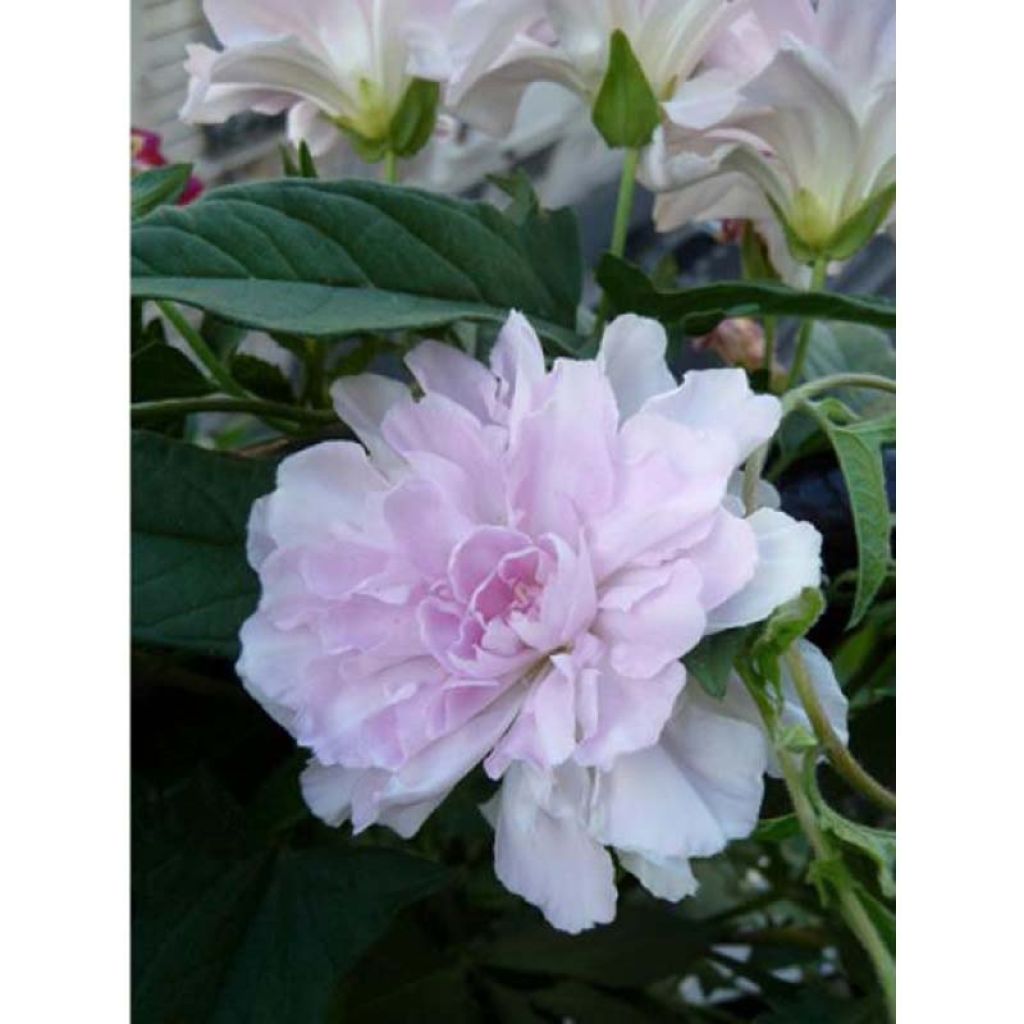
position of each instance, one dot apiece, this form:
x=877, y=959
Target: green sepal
x=859, y=229
x=626, y=111
x=414, y=121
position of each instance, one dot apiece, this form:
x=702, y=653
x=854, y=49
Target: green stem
x=391, y=167
x=620, y=226
x=217, y=370
x=837, y=380
x=850, y=906
x=624, y=203
x=315, y=360
x=838, y=755
x=818, y=278
x=769, y=347
x=181, y=406
x=752, y=475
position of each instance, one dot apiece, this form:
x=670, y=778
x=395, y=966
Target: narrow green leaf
x=881, y=916
x=626, y=111
x=307, y=168
x=858, y=449
x=324, y=259
x=775, y=830
x=289, y=167
x=162, y=185
x=699, y=309
x=191, y=584
x=711, y=661
x=787, y=624
x=877, y=844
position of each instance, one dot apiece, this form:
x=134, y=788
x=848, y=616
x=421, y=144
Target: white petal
x=632, y=356
x=362, y=402
x=721, y=400
x=788, y=559
x=543, y=853
x=668, y=878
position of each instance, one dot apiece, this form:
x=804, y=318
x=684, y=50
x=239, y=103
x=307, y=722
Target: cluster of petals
x=507, y=571
x=347, y=63
x=792, y=115
x=329, y=63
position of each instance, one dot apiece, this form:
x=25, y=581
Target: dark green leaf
x=575, y=1002
x=814, y=1006
x=162, y=185
x=323, y=259
x=225, y=931
x=191, y=585
x=699, y=309
x=319, y=910
x=261, y=378
x=626, y=111
x=642, y=945
x=711, y=661
x=159, y=371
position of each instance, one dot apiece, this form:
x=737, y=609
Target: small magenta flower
x=509, y=573
x=147, y=153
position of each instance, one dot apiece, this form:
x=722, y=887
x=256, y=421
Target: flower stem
x=391, y=167
x=620, y=226
x=838, y=755
x=818, y=279
x=852, y=909
x=850, y=906
x=256, y=406
x=837, y=380
x=752, y=476
x=217, y=370
x=624, y=203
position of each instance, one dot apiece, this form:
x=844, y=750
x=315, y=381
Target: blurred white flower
x=791, y=123
x=501, y=46
x=333, y=65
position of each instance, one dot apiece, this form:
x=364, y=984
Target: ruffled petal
x=542, y=850
x=632, y=356
x=788, y=559
x=721, y=401
x=448, y=372
x=362, y=401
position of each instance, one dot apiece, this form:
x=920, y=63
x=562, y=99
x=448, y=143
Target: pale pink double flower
x=509, y=573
